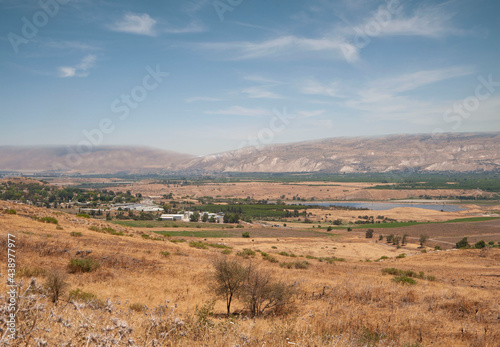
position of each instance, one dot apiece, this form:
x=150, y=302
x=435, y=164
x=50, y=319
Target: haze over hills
x=100, y=160
x=459, y=152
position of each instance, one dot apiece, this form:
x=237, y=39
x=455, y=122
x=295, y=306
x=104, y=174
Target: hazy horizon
x=203, y=77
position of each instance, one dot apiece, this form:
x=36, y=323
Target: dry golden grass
x=144, y=298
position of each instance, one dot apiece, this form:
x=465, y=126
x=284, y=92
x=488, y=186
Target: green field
x=407, y=224
x=167, y=224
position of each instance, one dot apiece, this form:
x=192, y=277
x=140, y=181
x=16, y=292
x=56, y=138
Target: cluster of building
x=186, y=217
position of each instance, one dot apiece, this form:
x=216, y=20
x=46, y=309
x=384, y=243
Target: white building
x=172, y=216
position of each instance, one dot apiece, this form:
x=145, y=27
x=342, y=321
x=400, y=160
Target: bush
x=10, y=211
x=274, y=247
x=349, y=229
x=198, y=244
x=30, y=272
x=165, y=253
x=48, y=220
x=296, y=264
x=55, y=285
x=437, y=248
x=240, y=226
x=269, y=257
x=480, y=244
x=246, y=253
x=226, y=251
x=404, y=280
x=82, y=265
x=137, y=307
x=79, y=295
x=329, y=228
x=369, y=234
x=246, y=235
x=83, y=215
x=402, y=255
x=76, y=233
x=462, y=243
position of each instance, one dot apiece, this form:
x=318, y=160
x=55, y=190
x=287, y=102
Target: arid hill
x=449, y=152
x=99, y=160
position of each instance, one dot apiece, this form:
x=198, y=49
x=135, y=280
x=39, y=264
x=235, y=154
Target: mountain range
x=460, y=152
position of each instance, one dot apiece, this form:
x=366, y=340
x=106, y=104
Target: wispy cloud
x=280, y=46
x=201, y=98
x=79, y=70
x=386, y=88
x=242, y=111
x=429, y=21
x=71, y=45
x=314, y=87
x=193, y=27
x=261, y=93
x=140, y=24
x=309, y=114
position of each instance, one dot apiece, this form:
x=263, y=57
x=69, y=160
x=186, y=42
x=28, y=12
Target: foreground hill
x=450, y=152
x=143, y=289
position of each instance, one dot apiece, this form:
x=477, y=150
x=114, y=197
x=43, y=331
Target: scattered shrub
x=48, y=220
x=10, y=211
x=462, y=243
x=83, y=215
x=26, y=271
x=198, y=244
x=55, y=285
x=246, y=253
x=402, y=255
x=79, y=295
x=82, y=265
x=369, y=234
x=246, y=235
x=437, y=248
x=404, y=280
x=165, y=253
x=296, y=264
x=226, y=251
x=76, y=233
x=137, y=307
x=480, y=244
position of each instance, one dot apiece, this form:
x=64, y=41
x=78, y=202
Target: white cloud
x=202, y=98
x=284, y=45
x=141, y=24
x=242, y=111
x=309, y=114
x=386, y=88
x=260, y=93
x=193, y=27
x=79, y=70
x=313, y=87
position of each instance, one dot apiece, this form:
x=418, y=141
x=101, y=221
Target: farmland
x=151, y=282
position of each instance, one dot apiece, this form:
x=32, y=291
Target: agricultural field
x=152, y=283
x=310, y=274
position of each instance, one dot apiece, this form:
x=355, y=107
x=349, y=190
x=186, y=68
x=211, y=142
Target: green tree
x=462, y=243
x=423, y=239
x=194, y=217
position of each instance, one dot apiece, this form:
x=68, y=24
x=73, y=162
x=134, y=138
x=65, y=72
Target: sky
x=205, y=76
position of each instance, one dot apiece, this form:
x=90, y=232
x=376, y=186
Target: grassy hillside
x=145, y=289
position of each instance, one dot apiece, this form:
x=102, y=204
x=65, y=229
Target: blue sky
x=203, y=77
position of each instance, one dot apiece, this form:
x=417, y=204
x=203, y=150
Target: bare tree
x=423, y=239
x=228, y=277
